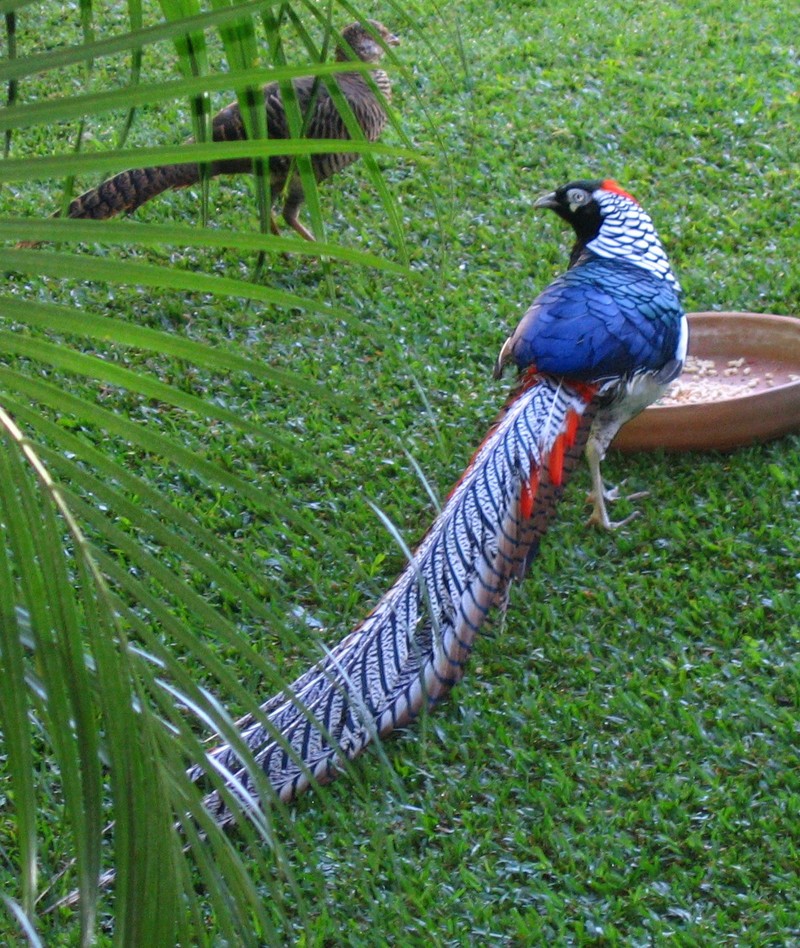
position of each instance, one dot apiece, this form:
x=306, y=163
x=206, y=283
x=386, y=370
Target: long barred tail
x=413, y=647
x=128, y=190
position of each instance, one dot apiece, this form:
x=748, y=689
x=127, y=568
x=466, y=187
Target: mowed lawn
x=620, y=764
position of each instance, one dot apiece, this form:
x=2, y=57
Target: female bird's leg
x=291, y=208
x=290, y=216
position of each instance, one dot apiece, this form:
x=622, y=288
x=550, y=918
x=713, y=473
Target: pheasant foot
x=599, y=518
x=599, y=515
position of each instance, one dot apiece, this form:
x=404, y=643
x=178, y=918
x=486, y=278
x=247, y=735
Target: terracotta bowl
x=770, y=347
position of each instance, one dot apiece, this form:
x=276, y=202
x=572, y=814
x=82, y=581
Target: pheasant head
x=609, y=222
x=367, y=42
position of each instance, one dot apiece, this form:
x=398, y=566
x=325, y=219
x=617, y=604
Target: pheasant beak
x=391, y=40
x=504, y=357
x=547, y=200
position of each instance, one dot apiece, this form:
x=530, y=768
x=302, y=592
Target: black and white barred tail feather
x=412, y=648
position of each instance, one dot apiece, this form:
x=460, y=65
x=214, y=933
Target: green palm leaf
x=119, y=606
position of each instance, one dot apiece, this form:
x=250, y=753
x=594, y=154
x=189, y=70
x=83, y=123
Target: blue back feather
x=603, y=318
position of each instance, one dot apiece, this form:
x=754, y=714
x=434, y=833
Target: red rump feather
x=534, y=484
x=567, y=437
x=556, y=460
x=525, y=500
x=528, y=379
x=573, y=418
x=528, y=494
x=586, y=390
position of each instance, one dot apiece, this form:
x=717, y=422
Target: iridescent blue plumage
x=599, y=320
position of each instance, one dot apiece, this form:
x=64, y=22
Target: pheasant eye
x=576, y=197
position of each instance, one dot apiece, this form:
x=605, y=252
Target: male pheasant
x=599, y=344
x=613, y=319
x=321, y=119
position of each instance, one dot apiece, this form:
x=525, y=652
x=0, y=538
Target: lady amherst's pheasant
x=599, y=344
x=613, y=320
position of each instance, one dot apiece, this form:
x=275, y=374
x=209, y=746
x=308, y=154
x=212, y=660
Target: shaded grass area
x=620, y=764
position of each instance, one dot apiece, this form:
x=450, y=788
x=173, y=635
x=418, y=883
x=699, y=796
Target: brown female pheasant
x=321, y=119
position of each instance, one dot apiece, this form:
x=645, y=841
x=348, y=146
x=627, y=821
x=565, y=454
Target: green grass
x=620, y=764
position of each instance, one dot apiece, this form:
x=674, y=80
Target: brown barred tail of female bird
x=321, y=115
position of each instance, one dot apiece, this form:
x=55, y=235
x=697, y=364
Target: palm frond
x=120, y=606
